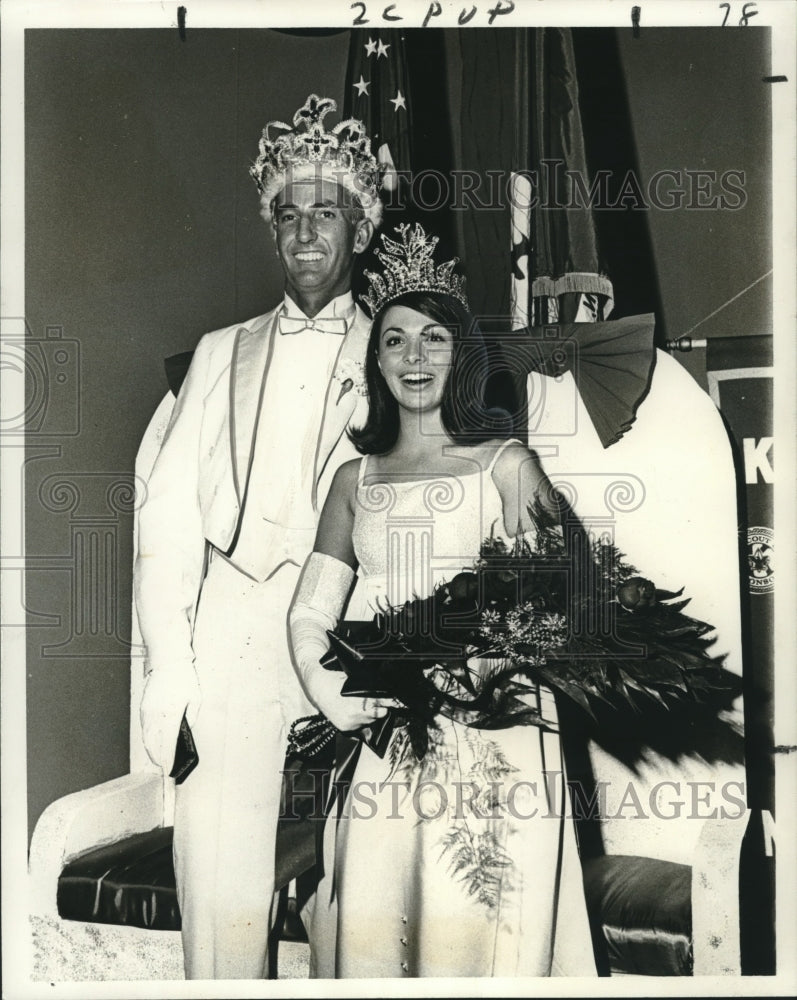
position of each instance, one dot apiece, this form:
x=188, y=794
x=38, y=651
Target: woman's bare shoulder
x=518, y=468
x=344, y=482
x=346, y=476
x=510, y=456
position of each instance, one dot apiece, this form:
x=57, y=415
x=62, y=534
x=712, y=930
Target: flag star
x=370, y=48
x=382, y=50
x=399, y=101
x=362, y=86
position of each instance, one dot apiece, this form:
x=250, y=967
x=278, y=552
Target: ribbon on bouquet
x=428, y=681
x=429, y=678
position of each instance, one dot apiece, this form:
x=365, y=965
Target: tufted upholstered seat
x=644, y=911
x=644, y=904
x=131, y=883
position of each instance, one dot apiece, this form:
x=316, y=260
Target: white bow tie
x=329, y=324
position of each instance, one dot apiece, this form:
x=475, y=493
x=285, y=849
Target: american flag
x=378, y=93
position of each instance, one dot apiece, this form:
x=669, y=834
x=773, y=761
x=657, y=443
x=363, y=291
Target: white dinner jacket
x=195, y=490
x=233, y=364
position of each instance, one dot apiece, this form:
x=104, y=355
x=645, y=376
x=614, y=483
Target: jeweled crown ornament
x=408, y=267
x=307, y=150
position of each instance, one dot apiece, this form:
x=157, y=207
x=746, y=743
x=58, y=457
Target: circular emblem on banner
x=761, y=560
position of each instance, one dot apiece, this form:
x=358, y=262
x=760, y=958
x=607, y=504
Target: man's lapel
x=254, y=349
x=342, y=392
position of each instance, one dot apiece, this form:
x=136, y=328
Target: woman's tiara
x=408, y=267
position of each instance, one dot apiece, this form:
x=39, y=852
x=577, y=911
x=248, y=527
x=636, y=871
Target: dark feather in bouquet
x=561, y=610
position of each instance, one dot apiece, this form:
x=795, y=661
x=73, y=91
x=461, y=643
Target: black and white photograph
x=398, y=430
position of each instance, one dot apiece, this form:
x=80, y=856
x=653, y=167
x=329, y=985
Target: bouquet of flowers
x=563, y=610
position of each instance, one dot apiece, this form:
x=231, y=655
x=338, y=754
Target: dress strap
x=362, y=470
x=498, y=452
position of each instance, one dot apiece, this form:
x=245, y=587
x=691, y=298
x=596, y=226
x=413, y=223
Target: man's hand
x=168, y=694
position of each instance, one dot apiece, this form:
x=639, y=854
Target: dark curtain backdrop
x=516, y=109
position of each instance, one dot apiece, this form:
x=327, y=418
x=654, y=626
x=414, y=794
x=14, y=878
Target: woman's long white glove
x=320, y=597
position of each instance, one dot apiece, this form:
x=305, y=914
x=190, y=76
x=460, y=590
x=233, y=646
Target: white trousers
x=226, y=811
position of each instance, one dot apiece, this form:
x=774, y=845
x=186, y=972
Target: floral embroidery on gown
x=461, y=864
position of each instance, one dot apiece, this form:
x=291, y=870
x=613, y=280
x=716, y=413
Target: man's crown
x=307, y=150
x=408, y=267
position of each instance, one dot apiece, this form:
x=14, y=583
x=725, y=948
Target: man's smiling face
x=318, y=232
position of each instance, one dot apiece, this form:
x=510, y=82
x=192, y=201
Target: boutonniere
x=350, y=375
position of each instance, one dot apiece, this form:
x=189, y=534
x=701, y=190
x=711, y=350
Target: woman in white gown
x=462, y=863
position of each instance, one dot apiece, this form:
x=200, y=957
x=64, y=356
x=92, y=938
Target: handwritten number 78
x=748, y=11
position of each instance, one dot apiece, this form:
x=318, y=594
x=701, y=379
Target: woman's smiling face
x=415, y=356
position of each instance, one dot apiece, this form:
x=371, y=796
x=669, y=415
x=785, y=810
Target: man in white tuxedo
x=230, y=513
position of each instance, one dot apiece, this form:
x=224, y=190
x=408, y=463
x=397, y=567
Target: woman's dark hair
x=463, y=411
